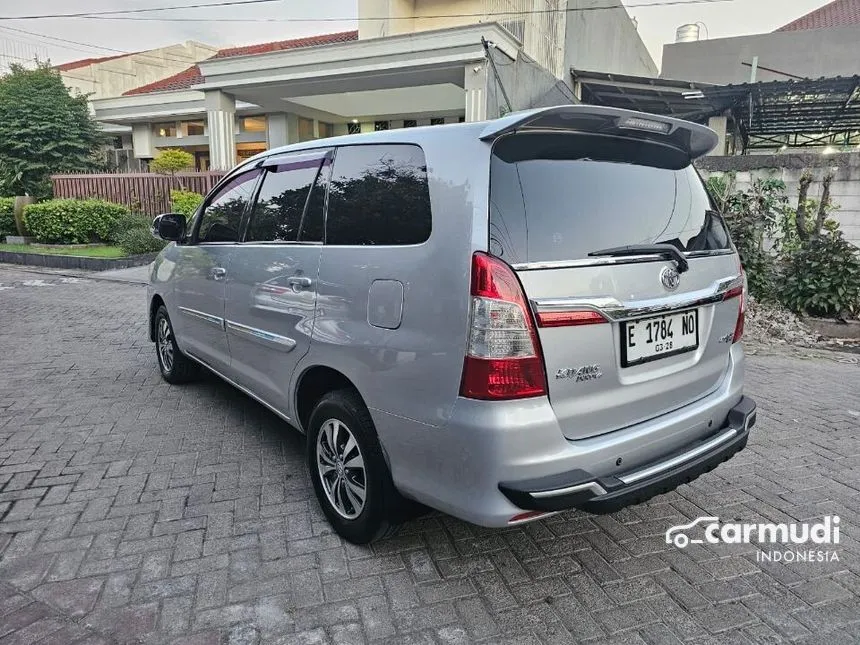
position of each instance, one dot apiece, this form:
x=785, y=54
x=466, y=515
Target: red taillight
x=739, y=292
x=503, y=358
x=569, y=318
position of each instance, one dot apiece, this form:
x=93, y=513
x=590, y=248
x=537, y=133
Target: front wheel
x=175, y=366
x=351, y=479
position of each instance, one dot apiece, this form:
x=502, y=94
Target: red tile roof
x=86, y=62
x=192, y=76
x=181, y=81
x=840, y=13
x=279, y=45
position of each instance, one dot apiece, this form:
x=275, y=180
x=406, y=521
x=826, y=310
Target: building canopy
x=794, y=113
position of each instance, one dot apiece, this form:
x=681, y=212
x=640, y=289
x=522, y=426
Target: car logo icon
x=676, y=535
x=670, y=278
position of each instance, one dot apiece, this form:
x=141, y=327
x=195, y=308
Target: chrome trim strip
x=201, y=315
x=603, y=261
x=261, y=336
x=542, y=516
x=243, y=390
x=617, y=311
x=645, y=473
x=594, y=487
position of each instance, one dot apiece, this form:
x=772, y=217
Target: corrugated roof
x=840, y=13
x=192, y=76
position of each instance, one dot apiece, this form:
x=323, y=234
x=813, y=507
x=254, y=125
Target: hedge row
x=7, y=217
x=72, y=221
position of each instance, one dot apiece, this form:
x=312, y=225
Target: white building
x=411, y=62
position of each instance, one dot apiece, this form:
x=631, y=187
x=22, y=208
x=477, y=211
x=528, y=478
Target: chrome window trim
x=645, y=473
x=608, y=261
x=262, y=336
x=617, y=311
x=202, y=315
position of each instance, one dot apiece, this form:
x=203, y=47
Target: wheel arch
x=312, y=384
x=156, y=302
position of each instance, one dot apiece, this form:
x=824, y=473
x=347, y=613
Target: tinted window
x=313, y=224
x=223, y=214
x=560, y=197
x=379, y=195
x=277, y=214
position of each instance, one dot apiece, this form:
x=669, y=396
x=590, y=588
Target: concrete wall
x=845, y=190
x=528, y=86
x=813, y=53
x=114, y=77
x=605, y=40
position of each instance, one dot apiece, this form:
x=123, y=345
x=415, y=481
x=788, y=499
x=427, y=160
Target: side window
x=313, y=225
x=222, y=215
x=378, y=194
x=277, y=214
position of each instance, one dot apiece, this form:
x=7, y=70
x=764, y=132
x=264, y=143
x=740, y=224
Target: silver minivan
x=498, y=320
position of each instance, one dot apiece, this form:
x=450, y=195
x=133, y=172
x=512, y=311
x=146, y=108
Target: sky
x=93, y=38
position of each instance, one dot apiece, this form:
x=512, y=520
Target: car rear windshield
x=558, y=196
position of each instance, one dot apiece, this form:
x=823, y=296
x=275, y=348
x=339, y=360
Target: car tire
x=175, y=366
x=350, y=476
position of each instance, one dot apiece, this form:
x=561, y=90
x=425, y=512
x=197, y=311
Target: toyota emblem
x=670, y=278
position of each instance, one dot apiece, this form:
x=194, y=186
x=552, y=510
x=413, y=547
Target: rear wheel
x=351, y=479
x=175, y=366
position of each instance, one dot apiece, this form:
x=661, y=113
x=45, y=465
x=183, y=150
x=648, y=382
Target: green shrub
x=7, y=217
x=128, y=222
x=72, y=221
x=136, y=241
x=822, y=277
x=185, y=202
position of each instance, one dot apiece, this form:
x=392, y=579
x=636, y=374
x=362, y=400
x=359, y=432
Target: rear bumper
x=583, y=490
x=457, y=467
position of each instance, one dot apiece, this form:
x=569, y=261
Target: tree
x=172, y=161
x=43, y=130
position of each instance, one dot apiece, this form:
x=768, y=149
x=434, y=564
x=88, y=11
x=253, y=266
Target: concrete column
x=720, y=125
x=475, y=84
x=277, y=133
x=221, y=117
x=141, y=140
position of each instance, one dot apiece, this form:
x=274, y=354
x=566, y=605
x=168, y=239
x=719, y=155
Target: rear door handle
x=299, y=282
x=217, y=273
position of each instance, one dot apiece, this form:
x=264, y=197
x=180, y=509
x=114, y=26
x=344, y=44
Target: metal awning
x=801, y=112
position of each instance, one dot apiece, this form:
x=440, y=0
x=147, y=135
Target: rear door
x=273, y=276
x=624, y=338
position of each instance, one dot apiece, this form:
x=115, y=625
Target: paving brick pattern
x=136, y=512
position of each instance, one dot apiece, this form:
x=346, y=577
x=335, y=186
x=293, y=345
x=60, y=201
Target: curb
x=75, y=262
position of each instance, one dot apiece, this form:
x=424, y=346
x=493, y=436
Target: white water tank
x=687, y=33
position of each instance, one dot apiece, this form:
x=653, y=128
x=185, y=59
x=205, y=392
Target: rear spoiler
x=693, y=139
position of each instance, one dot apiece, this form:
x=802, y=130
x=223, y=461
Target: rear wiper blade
x=666, y=250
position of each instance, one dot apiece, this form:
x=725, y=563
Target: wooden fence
x=142, y=192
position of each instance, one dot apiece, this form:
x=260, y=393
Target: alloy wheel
x=165, y=344
x=341, y=469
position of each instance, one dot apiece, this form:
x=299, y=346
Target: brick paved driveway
x=131, y=511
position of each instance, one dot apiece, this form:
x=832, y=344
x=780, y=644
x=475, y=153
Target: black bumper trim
x=619, y=495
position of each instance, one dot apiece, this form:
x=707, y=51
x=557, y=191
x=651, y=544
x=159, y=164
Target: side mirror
x=170, y=227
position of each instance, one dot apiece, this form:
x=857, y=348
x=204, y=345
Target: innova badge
x=670, y=278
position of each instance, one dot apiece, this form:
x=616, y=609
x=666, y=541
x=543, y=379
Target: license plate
x=651, y=339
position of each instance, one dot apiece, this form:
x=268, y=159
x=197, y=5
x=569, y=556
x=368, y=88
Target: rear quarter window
x=378, y=195
x=557, y=197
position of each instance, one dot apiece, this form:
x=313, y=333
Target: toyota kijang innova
x=498, y=320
